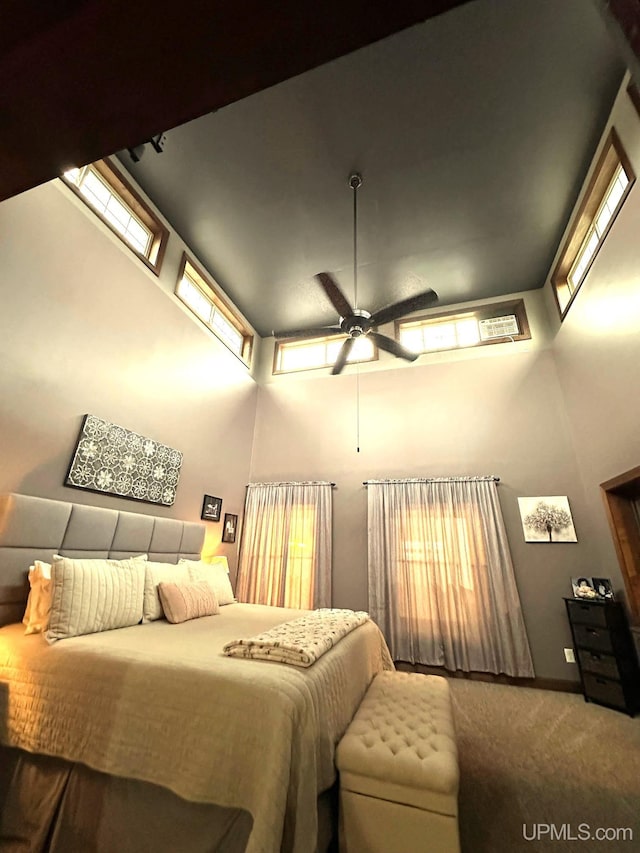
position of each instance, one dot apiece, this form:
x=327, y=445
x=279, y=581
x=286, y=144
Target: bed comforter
x=161, y=703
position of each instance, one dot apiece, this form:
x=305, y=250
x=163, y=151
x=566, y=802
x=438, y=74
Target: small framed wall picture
x=229, y=527
x=211, y=508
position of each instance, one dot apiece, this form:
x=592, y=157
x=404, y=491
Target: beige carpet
x=530, y=757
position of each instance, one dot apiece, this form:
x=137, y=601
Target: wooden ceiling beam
x=82, y=79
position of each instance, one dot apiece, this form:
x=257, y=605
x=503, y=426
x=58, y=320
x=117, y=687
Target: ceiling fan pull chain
x=357, y=408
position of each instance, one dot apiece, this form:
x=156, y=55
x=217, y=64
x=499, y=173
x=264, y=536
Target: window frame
x=611, y=157
x=214, y=294
x=316, y=339
x=120, y=187
x=479, y=312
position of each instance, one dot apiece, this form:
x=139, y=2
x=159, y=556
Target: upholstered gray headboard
x=36, y=528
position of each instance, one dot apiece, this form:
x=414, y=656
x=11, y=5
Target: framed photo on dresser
x=592, y=588
x=583, y=588
x=603, y=588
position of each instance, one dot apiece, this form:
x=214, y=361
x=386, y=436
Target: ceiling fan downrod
x=355, y=182
x=358, y=324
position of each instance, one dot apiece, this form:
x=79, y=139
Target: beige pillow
x=36, y=615
x=94, y=595
x=156, y=573
x=183, y=601
x=214, y=574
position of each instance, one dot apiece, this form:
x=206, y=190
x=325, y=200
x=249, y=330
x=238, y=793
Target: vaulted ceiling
x=473, y=130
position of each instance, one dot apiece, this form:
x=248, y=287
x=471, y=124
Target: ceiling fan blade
x=406, y=306
x=318, y=332
x=389, y=345
x=343, y=355
x=336, y=296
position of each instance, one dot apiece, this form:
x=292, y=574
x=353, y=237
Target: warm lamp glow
x=210, y=545
x=219, y=561
x=208, y=554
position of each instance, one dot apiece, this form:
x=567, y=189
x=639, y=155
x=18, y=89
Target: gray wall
x=499, y=410
x=597, y=352
x=556, y=416
x=85, y=327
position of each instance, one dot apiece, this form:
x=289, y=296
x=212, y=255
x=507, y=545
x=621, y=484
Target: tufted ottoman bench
x=398, y=766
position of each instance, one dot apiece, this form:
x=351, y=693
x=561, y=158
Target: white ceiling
x=473, y=133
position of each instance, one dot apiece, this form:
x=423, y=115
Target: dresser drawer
x=603, y=690
x=604, y=653
x=587, y=613
x=598, y=663
x=593, y=638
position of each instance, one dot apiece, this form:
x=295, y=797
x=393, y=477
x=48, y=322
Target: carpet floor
x=536, y=757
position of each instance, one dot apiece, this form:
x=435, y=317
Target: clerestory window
x=203, y=298
x=312, y=353
x=498, y=322
x=609, y=186
x=109, y=195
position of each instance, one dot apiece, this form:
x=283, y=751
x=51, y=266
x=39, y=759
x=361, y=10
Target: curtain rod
x=295, y=483
x=488, y=478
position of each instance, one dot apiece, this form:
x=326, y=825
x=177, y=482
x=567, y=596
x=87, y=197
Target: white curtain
x=441, y=581
x=285, y=553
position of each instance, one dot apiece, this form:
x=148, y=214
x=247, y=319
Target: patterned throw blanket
x=301, y=641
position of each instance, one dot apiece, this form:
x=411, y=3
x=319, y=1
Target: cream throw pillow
x=183, y=601
x=214, y=574
x=94, y=595
x=156, y=573
x=36, y=615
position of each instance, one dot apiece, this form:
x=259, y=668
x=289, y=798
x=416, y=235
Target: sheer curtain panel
x=285, y=555
x=441, y=580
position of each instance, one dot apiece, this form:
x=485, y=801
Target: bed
x=148, y=737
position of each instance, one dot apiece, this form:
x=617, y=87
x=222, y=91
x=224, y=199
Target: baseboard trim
x=558, y=684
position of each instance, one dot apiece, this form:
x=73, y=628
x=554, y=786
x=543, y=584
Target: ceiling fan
x=355, y=321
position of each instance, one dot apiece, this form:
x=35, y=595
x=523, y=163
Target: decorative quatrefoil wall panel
x=109, y=458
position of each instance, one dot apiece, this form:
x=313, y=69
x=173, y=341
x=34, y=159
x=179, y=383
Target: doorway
x=622, y=503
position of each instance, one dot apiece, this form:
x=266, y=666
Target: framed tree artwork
x=547, y=519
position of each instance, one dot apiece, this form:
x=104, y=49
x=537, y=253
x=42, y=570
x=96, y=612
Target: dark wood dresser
x=605, y=653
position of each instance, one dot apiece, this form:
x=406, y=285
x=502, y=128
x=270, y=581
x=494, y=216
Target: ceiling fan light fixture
x=356, y=322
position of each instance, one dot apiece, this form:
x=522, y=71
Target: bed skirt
x=48, y=805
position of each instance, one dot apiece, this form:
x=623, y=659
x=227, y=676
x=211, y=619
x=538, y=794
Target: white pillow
x=157, y=573
x=94, y=595
x=36, y=615
x=215, y=574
